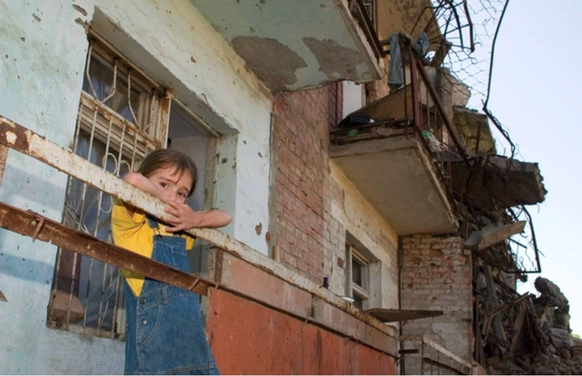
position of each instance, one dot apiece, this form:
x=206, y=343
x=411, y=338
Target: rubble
x=533, y=335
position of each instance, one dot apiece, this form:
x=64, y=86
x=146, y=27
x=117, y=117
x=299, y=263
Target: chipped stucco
x=304, y=32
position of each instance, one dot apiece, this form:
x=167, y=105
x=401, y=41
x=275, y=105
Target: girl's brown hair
x=165, y=158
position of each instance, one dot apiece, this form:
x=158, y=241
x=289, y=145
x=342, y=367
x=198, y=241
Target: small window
x=358, y=281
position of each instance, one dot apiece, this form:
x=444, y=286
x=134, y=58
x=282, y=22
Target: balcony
x=397, y=162
x=300, y=44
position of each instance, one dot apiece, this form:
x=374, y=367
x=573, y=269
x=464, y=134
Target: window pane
x=358, y=301
x=357, y=272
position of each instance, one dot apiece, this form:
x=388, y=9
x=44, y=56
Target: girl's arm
x=182, y=217
x=143, y=183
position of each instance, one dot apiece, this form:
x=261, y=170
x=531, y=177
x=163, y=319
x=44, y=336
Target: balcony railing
x=414, y=109
x=431, y=122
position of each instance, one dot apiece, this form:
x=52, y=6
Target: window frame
x=98, y=119
x=352, y=288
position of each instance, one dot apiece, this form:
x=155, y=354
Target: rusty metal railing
x=432, y=123
x=25, y=141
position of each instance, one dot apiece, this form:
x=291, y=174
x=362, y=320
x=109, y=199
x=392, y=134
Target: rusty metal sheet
x=392, y=315
x=44, y=229
x=25, y=141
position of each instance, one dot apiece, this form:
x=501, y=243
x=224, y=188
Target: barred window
x=123, y=115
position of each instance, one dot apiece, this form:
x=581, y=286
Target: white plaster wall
x=367, y=226
x=42, y=56
x=352, y=97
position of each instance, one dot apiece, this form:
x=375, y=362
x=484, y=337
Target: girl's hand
x=182, y=217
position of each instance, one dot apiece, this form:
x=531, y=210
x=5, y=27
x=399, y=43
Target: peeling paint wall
x=43, y=50
x=308, y=43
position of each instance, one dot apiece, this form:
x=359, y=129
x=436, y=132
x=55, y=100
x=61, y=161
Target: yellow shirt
x=135, y=234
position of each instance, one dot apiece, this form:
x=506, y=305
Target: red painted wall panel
x=248, y=338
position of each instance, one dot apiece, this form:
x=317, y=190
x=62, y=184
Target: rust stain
x=335, y=61
x=37, y=18
x=263, y=54
x=80, y=10
x=2, y=297
x=259, y=228
x=13, y=135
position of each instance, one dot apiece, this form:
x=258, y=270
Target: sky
x=537, y=95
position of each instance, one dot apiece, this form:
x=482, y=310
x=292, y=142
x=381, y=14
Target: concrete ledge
x=247, y=279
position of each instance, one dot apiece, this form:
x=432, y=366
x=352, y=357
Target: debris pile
x=524, y=334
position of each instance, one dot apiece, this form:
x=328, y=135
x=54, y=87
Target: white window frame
x=352, y=288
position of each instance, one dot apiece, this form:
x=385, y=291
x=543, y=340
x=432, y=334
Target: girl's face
x=173, y=186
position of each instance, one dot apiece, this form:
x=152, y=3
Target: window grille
x=122, y=116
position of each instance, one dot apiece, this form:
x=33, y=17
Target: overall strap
x=152, y=222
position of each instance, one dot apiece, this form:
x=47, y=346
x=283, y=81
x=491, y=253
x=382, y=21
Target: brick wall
x=437, y=275
x=313, y=204
x=300, y=149
x=379, y=88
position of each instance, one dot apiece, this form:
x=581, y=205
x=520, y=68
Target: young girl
x=164, y=329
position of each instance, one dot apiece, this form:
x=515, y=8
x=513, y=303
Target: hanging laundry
x=395, y=71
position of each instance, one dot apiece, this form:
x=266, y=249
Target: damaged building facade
x=356, y=246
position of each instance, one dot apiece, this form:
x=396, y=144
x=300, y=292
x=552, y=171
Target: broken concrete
x=540, y=344
x=500, y=183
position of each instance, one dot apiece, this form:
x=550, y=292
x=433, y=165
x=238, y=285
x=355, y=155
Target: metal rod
x=415, y=89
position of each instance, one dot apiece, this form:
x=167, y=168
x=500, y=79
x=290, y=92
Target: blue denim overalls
x=164, y=329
